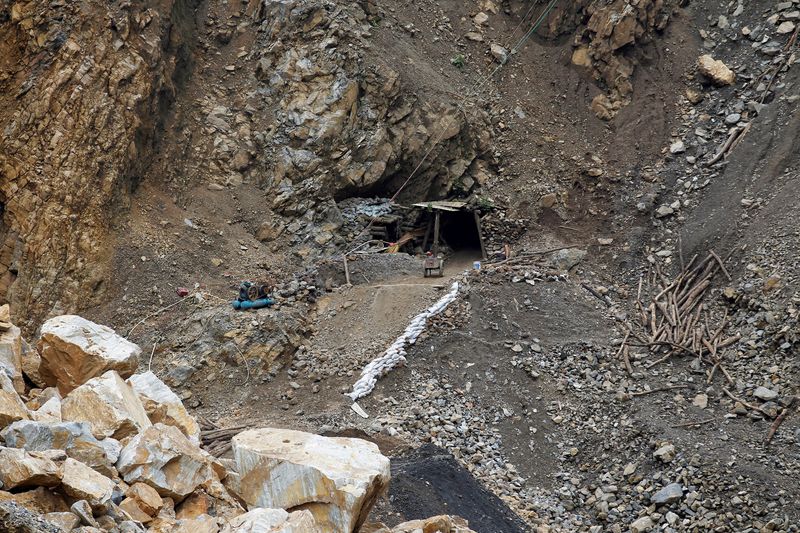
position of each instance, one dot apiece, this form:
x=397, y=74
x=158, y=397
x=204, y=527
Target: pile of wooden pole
x=676, y=320
x=215, y=439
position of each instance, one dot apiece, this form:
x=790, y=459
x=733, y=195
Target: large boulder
x=337, y=479
x=75, y=438
x=74, y=350
x=164, y=458
x=272, y=521
x=164, y=406
x=19, y=468
x=82, y=483
x=108, y=404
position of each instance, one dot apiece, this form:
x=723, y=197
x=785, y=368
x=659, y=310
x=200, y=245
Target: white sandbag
x=395, y=354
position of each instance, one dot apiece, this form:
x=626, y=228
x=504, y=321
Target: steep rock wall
x=80, y=86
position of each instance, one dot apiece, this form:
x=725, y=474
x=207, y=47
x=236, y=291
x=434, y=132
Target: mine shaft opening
x=459, y=233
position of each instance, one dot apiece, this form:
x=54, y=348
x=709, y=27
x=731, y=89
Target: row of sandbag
x=396, y=353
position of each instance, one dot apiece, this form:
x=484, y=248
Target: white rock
x=677, y=147
x=164, y=458
x=83, y=483
x=272, y=521
x=49, y=412
x=499, y=53
x=74, y=438
x=109, y=404
x=75, y=350
x=337, y=479
x=163, y=405
x=763, y=393
x=642, y=525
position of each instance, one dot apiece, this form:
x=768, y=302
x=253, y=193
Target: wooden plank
x=480, y=235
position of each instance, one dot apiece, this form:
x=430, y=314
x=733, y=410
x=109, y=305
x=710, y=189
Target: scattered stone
x=567, y=259
x=499, y=53
x=677, y=147
x=701, y=401
x=669, y=494
x=665, y=453
x=785, y=27
x=732, y=119
x=337, y=479
x=716, y=71
x=642, y=525
x=110, y=406
x=664, y=211
x=765, y=394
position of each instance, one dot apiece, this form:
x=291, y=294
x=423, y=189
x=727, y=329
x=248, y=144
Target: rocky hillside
x=623, y=360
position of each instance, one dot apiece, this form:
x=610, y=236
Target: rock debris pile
x=93, y=451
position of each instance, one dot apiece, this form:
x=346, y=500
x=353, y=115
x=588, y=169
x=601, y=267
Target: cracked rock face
x=163, y=458
x=605, y=35
x=343, y=123
x=337, y=479
x=19, y=468
x=74, y=438
x=80, y=109
x=74, y=350
x=163, y=405
x=109, y=405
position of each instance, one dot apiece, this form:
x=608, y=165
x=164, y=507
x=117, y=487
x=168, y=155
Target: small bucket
x=476, y=265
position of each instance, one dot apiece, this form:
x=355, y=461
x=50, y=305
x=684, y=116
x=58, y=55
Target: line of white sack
x=396, y=353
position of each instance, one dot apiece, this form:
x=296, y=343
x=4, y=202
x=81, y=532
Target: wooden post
x=427, y=235
x=480, y=235
x=346, y=270
x=436, y=234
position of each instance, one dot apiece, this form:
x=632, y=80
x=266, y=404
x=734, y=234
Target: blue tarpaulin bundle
x=253, y=304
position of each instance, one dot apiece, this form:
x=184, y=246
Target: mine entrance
x=451, y=226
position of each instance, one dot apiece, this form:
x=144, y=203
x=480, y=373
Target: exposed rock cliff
x=81, y=85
